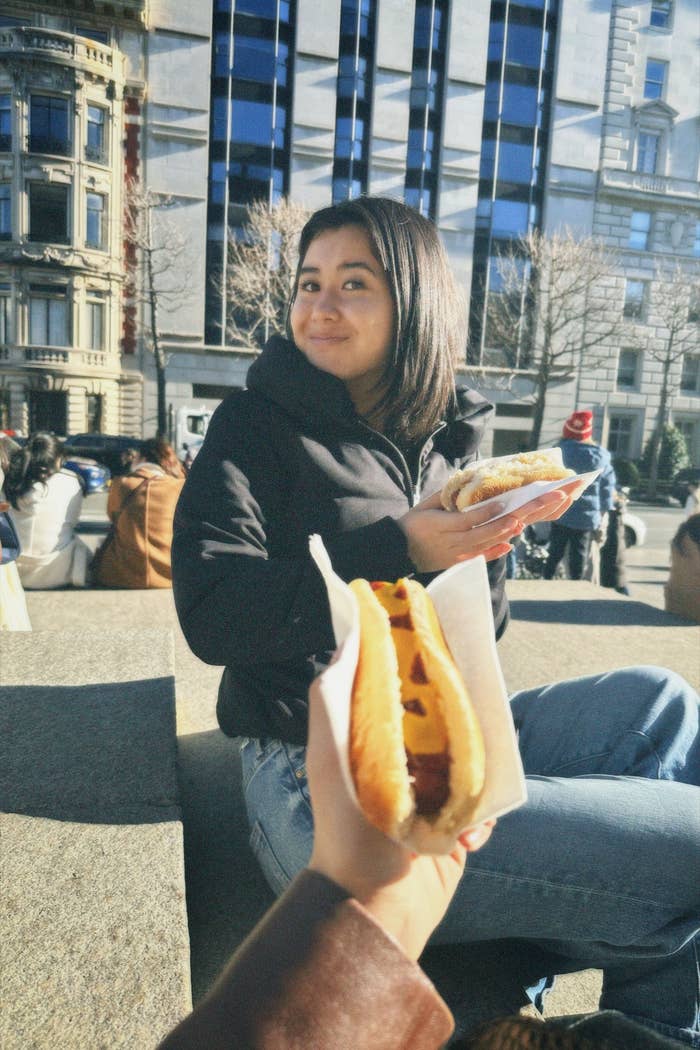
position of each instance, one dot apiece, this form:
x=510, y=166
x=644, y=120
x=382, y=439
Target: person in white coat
x=45, y=504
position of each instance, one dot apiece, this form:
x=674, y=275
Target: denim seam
x=604, y=754
x=545, y=883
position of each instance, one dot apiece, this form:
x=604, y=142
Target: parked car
x=94, y=475
x=107, y=449
x=635, y=529
x=679, y=483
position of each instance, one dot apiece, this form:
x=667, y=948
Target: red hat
x=579, y=425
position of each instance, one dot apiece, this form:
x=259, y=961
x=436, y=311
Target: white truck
x=190, y=427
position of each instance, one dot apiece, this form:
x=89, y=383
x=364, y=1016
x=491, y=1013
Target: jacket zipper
x=414, y=491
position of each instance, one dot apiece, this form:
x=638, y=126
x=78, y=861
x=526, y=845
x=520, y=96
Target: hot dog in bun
x=481, y=481
x=416, y=749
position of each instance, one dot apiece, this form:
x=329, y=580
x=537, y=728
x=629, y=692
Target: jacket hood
x=282, y=374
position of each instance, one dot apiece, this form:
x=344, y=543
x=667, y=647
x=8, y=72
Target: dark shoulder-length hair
x=34, y=462
x=158, y=450
x=419, y=381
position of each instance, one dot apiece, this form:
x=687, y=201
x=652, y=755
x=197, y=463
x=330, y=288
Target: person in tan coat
x=682, y=590
x=141, y=505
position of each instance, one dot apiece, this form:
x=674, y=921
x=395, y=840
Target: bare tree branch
x=260, y=271
x=547, y=311
x=160, y=249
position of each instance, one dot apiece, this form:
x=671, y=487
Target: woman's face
x=343, y=317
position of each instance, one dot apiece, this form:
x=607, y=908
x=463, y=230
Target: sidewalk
x=558, y=630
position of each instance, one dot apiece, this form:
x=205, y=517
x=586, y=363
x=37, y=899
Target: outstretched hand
x=406, y=893
x=439, y=538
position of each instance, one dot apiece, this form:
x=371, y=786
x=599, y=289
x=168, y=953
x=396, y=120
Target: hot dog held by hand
x=458, y=596
x=416, y=748
x=486, y=479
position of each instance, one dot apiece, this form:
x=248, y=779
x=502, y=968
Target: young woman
x=348, y=429
x=45, y=505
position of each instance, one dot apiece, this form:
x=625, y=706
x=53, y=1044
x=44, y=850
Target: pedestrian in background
x=682, y=590
x=45, y=504
x=13, y=605
x=576, y=527
x=141, y=505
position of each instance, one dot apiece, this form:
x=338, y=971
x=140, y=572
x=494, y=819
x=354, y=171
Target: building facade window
x=690, y=374
x=94, y=408
x=640, y=225
x=515, y=131
x=48, y=213
x=101, y=36
x=49, y=323
x=655, y=78
x=660, y=14
x=49, y=127
x=694, y=306
x=628, y=369
x=353, y=99
x=426, y=105
x=5, y=211
x=95, y=321
x=648, y=143
x=696, y=241
x=635, y=299
x=620, y=435
x=95, y=225
x=250, y=127
x=96, y=137
x=5, y=314
x=5, y=122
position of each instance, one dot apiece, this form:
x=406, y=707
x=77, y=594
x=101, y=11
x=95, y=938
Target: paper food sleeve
x=516, y=498
x=462, y=600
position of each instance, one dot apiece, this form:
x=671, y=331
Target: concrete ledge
x=94, y=929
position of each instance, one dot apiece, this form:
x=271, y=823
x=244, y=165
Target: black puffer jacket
x=286, y=458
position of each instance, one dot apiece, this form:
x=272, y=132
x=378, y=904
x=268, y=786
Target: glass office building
x=515, y=128
x=250, y=122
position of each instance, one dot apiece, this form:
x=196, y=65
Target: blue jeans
x=601, y=866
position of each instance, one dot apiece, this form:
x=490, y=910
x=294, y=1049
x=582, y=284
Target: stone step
x=94, y=928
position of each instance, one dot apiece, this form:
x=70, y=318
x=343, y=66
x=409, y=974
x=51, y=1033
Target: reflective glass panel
x=640, y=224
x=510, y=218
x=5, y=210
x=254, y=59
x=654, y=78
x=647, y=152
x=251, y=122
x=519, y=104
x=523, y=45
x=514, y=162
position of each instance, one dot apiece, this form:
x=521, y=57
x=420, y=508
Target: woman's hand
x=406, y=893
x=439, y=538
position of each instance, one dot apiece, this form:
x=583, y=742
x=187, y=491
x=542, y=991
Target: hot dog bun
x=479, y=482
x=416, y=749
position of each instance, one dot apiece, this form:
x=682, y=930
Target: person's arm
x=235, y=601
x=317, y=972
x=331, y=964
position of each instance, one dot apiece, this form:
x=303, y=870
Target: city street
x=647, y=565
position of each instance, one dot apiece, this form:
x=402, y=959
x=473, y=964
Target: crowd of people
x=348, y=428
x=42, y=501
